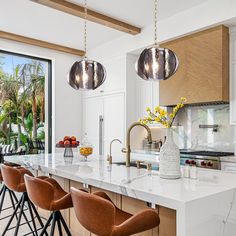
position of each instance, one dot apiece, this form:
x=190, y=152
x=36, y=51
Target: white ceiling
x=33, y=20
x=139, y=12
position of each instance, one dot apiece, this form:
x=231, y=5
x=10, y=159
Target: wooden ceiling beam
x=40, y=43
x=77, y=10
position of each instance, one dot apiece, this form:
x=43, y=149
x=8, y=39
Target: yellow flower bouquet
x=161, y=116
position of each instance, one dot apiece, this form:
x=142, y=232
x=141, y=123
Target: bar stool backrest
x=40, y=192
x=11, y=177
x=93, y=212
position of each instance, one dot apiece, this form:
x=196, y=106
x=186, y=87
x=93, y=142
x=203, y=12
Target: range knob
x=187, y=162
x=203, y=163
x=209, y=163
x=193, y=162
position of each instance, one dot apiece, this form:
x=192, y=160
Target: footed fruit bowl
x=68, y=143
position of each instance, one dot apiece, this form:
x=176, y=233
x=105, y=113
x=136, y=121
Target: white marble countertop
x=211, y=194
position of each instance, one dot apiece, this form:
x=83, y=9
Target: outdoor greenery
x=22, y=103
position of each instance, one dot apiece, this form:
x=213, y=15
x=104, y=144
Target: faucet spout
x=109, y=156
x=128, y=148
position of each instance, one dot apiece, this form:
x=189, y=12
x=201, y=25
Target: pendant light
x=86, y=74
x=156, y=63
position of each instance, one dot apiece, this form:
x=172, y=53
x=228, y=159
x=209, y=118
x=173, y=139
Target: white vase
x=169, y=166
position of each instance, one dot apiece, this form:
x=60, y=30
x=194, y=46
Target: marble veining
x=203, y=206
x=189, y=135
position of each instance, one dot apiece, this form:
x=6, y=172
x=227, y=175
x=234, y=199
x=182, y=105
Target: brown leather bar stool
x=54, y=199
x=3, y=192
x=13, y=178
x=98, y=214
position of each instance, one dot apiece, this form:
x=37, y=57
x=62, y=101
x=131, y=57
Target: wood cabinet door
x=233, y=77
x=167, y=221
x=134, y=206
x=203, y=73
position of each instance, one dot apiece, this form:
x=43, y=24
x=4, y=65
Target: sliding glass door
x=25, y=104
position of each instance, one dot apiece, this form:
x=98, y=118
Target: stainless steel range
x=203, y=159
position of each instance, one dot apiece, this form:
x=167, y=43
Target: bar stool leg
x=53, y=224
x=20, y=206
x=32, y=217
x=59, y=227
x=3, y=193
x=1, y=190
x=44, y=231
x=64, y=224
x=12, y=202
x=10, y=221
x=20, y=215
x=37, y=216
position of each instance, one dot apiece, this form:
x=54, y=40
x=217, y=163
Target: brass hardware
x=138, y=164
x=127, y=150
x=149, y=166
x=109, y=156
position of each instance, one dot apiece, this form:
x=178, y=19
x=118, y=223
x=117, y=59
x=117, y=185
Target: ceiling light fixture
x=156, y=63
x=86, y=74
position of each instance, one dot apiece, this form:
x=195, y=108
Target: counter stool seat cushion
x=98, y=214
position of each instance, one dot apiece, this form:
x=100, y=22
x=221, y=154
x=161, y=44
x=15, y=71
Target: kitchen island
x=202, y=207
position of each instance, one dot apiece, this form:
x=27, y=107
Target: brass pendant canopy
x=156, y=63
x=86, y=75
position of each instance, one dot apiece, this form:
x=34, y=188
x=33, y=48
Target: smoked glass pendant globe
x=86, y=75
x=156, y=63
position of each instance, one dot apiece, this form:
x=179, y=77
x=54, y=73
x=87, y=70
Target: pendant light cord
x=85, y=27
x=155, y=22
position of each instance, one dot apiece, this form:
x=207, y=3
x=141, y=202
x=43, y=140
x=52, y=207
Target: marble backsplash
x=189, y=135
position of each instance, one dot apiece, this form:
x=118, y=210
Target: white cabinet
x=93, y=109
x=115, y=78
x=116, y=74
x=112, y=110
x=233, y=76
x=114, y=121
x=147, y=96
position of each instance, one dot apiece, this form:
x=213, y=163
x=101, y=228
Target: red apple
x=67, y=143
x=66, y=138
x=61, y=143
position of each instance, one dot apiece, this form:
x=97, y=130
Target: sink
x=133, y=164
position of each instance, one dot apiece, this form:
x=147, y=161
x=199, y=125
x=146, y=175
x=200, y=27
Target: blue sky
x=11, y=61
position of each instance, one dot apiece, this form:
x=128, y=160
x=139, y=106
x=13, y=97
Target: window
x=25, y=103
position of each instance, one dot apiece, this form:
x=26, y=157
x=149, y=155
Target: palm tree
x=33, y=75
x=11, y=98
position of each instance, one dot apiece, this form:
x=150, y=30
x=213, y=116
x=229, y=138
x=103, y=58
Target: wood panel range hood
x=203, y=74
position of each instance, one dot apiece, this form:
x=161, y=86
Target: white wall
x=67, y=103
